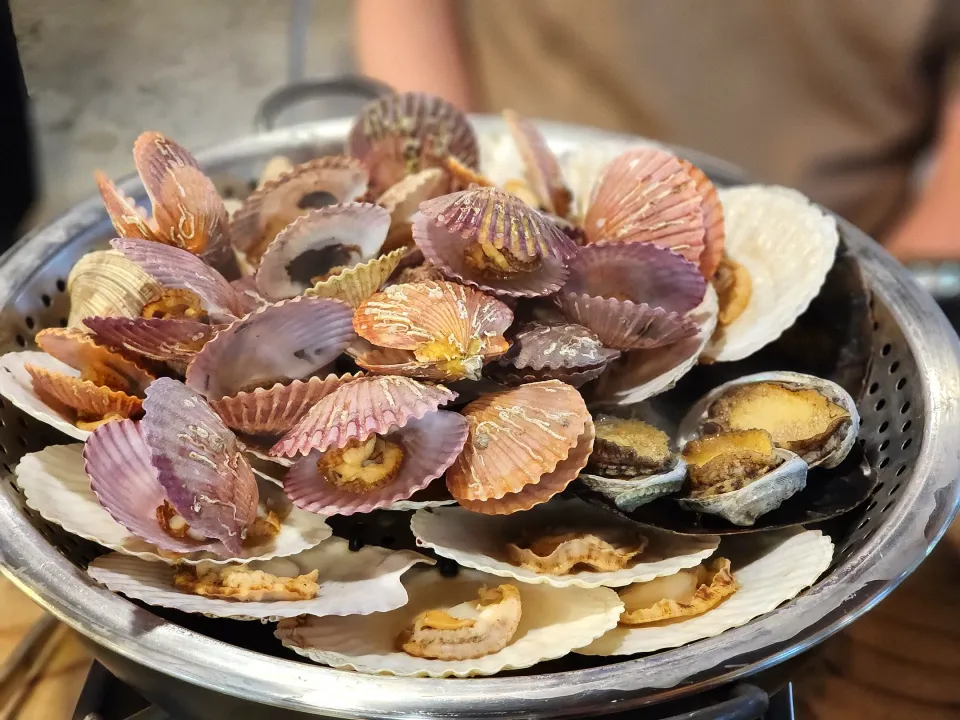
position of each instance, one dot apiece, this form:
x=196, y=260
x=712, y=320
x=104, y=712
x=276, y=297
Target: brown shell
x=128, y=220
x=96, y=362
x=516, y=438
x=466, y=177
x=91, y=402
x=277, y=203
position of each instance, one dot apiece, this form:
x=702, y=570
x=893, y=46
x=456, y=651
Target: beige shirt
x=835, y=97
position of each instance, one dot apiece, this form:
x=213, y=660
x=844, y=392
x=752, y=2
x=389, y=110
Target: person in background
x=841, y=99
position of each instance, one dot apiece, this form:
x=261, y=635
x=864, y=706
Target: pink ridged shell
x=278, y=202
x=503, y=220
x=542, y=168
x=154, y=338
x=359, y=409
x=446, y=249
x=349, y=233
x=646, y=195
x=277, y=343
x=81, y=351
x=624, y=325
x=430, y=445
x=175, y=268
x=275, y=410
x=81, y=396
x=715, y=233
x=517, y=437
x=550, y=484
x=512, y=377
x=117, y=460
x=129, y=220
x=188, y=212
x=199, y=463
x=405, y=133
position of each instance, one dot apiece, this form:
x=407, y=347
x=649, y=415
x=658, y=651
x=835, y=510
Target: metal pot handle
x=287, y=96
x=747, y=702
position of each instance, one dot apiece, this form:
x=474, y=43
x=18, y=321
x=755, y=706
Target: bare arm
x=412, y=45
x=931, y=230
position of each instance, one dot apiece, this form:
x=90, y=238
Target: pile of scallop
x=469, y=347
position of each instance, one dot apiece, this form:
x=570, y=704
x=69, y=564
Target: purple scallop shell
x=334, y=236
x=506, y=220
x=117, y=461
x=430, y=445
x=154, y=338
x=554, y=346
x=445, y=250
x=359, y=409
x=640, y=272
x=273, y=411
x=246, y=289
x=624, y=325
x=513, y=377
x=199, y=463
x=175, y=268
x=286, y=341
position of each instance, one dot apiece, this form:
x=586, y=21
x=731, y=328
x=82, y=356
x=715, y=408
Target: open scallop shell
x=279, y=201
x=641, y=374
x=285, y=341
x=80, y=350
x=155, y=338
x=275, y=410
x=83, y=400
x=402, y=201
x=429, y=444
x=554, y=621
x=764, y=225
x=405, y=133
x=549, y=485
x=449, y=327
x=645, y=195
x=318, y=242
x=103, y=283
x=769, y=573
x=199, y=463
x=480, y=542
x=632, y=295
x=356, y=284
x=542, y=168
x=127, y=218
x=360, y=408
x=16, y=385
x=629, y=493
x=516, y=437
x=744, y=506
x=833, y=451
x=175, y=269
x=351, y=583
x=56, y=485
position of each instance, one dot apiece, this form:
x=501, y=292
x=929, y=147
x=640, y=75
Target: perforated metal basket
x=911, y=426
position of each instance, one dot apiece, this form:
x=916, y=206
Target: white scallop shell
x=479, y=541
x=56, y=486
x=630, y=493
x=351, y=583
x=690, y=425
x=641, y=374
x=788, y=564
x=743, y=507
x=554, y=621
x=16, y=385
x=788, y=245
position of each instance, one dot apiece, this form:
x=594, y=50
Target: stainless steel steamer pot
x=911, y=422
